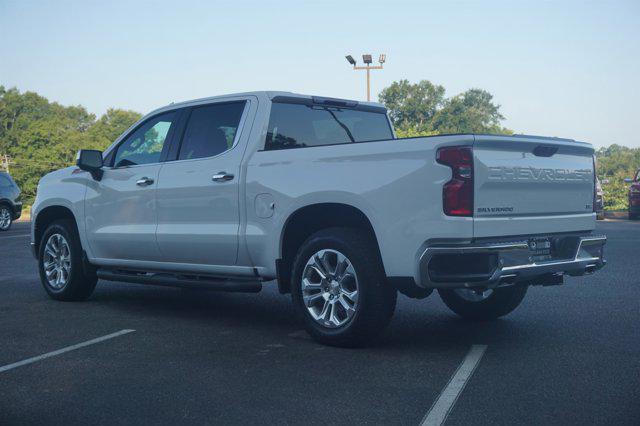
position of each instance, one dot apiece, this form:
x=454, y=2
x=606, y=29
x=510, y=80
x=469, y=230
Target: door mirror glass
x=90, y=160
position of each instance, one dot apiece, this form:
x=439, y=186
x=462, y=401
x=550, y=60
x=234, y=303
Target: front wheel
x=60, y=263
x=483, y=304
x=339, y=288
x=5, y=218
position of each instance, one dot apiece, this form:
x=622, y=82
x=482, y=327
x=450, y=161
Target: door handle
x=145, y=181
x=222, y=177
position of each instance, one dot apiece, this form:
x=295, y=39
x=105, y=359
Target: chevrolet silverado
x=319, y=196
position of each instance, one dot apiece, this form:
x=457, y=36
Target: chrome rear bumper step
x=511, y=262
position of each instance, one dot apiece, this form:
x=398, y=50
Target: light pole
x=367, y=60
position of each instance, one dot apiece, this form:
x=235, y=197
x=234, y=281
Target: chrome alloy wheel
x=473, y=295
x=57, y=261
x=5, y=218
x=330, y=288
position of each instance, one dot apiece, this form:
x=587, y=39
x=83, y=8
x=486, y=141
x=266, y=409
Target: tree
x=42, y=136
x=412, y=105
x=470, y=112
x=110, y=126
x=422, y=109
x=614, y=164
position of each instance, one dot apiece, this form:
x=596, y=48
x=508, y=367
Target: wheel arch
x=6, y=202
x=48, y=215
x=307, y=220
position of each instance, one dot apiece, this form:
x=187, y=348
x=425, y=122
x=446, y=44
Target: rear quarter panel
x=397, y=184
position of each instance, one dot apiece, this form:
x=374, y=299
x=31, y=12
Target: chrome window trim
x=236, y=139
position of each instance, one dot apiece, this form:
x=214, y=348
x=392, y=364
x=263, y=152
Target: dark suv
x=634, y=197
x=10, y=203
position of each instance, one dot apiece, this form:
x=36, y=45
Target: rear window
x=297, y=126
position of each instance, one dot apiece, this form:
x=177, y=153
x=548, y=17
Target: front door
x=120, y=209
x=198, y=193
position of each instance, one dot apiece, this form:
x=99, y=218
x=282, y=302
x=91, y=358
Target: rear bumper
x=509, y=262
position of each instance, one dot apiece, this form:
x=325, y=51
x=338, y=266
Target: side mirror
x=628, y=180
x=90, y=160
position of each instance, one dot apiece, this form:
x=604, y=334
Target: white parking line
x=2, y=237
x=443, y=405
x=63, y=350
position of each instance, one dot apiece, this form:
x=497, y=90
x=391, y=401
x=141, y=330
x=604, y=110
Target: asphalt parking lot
x=568, y=354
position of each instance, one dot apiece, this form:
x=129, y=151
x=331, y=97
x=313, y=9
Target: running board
x=180, y=280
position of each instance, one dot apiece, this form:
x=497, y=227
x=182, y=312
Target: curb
x=616, y=215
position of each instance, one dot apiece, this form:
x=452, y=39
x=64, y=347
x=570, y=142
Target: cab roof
x=281, y=96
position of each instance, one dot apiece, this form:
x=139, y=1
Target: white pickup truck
x=318, y=195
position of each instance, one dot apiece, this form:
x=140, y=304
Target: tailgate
x=530, y=185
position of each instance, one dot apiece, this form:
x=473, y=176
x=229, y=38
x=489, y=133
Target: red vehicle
x=634, y=197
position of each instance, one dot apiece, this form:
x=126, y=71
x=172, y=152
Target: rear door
x=198, y=192
x=530, y=185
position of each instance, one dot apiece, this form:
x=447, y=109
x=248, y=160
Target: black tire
x=502, y=301
x=80, y=283
x=376, y=298
x=5, y=209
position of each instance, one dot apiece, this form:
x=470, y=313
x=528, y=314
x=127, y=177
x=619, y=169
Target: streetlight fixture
x=368, y=60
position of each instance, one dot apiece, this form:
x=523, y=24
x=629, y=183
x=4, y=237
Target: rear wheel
x=60, y=263
x=487, y=304
x=5, y=217
x=339, y=288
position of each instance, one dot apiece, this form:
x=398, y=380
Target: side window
x=211, y=130
x=298, y=126
x=145, y=144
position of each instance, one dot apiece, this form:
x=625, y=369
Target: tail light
x=457, y=194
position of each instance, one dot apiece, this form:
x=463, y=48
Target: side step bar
x=180, y=280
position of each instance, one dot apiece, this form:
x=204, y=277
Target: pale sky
x=568, y=69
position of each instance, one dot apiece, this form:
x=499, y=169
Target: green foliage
x=111, y=125
x=615, y=163
x=422, y=109
x=470, y=112
x=413, y=132
x=42, y=136
x=413, y=106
